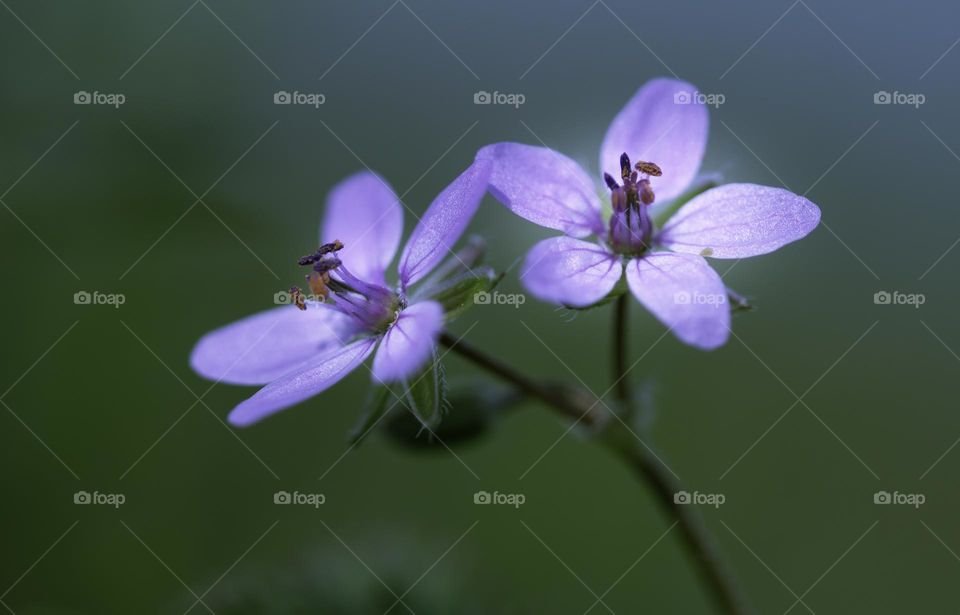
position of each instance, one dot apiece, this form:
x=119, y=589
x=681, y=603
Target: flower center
x=372, y=307
x=630, y=224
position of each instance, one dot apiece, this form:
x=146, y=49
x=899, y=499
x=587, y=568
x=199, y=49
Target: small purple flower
x=665, y=268
x=298, y=353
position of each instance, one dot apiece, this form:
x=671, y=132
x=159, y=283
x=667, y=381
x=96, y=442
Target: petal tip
x=705, y=339
x=238, y=417
x=811, y=214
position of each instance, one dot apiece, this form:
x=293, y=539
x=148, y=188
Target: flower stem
x=629, y=447
x=556, y=396
x=621, y=385
x=618, y=437
x=696, y=538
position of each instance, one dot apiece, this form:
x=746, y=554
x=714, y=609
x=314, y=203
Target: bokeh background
x=102, y=399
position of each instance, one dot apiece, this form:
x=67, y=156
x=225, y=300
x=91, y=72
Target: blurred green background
x=102, y=399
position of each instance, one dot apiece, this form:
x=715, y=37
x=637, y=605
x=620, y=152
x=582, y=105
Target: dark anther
x=325, y=265
x=327, y=248
x=611, y=183
x=624, y=166
x=649, y=168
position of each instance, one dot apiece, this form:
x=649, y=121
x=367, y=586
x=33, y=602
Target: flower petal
x=267, y=345
x=443, y=223
x=314, y=377
x=409, y=343
x=685, y=294
x=364, y=213
x=663, y=123
x=545, y=187
x=739, y=220
x=570, y=271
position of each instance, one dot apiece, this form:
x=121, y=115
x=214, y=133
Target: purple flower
x=665, y=268
x=298, y=353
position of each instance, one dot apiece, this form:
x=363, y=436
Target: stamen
x=298, y=298
x=319, y=279
x=630, y=225
x=334, y=246
x=611, y=183
x=649, y=168
x=318, y=284
x=326, y=265
x=624, y=166
x=371, y=306
x=646, y=192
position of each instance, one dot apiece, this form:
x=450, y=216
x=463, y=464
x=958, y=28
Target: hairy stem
x=629, y=447
x=557, y=397
x=618, y=438
x=620, y=383
x=696, y=538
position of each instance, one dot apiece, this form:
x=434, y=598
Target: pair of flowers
x=298, y=353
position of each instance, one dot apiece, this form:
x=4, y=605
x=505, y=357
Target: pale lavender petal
x=443, y=223
x=545, y=187
x=663, y=123
x=739, y=220
x=313, y=377
x=570, y=271
x=685, y=294
x=267, y=345
x=409, y=343
x=364, y=213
